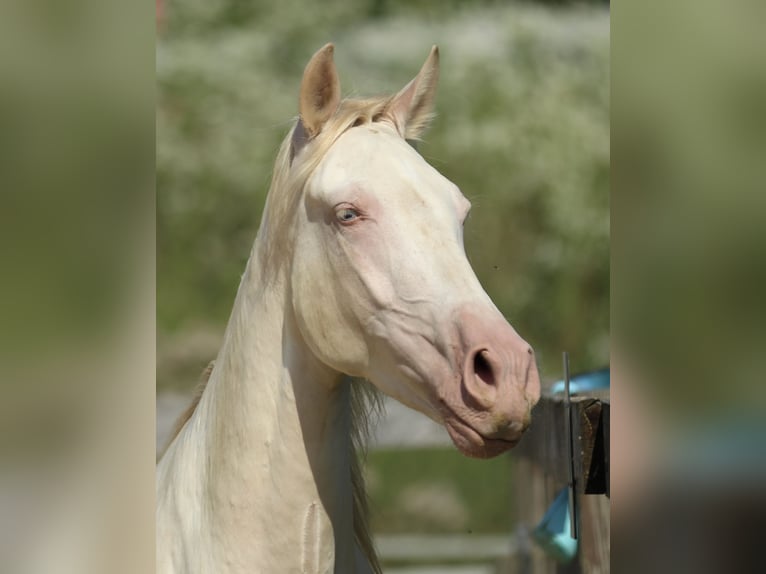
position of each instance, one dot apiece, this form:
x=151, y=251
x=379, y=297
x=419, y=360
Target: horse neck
x=275, y=425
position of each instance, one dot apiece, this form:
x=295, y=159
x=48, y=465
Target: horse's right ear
x=320, y=96
x=412, y=108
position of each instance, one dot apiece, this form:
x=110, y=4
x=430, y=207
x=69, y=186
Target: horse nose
x=500, y=383
x=483, y=368
x=491, y=378
x=481, y=375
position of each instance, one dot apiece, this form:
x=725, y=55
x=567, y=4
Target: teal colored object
x=553, y=532
x=593, y=381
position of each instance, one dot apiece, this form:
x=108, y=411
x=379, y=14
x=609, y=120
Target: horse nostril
x=483, y=368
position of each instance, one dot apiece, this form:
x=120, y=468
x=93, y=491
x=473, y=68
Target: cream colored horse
x=358, y=272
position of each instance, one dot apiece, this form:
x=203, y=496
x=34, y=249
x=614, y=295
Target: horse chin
x=472, y=444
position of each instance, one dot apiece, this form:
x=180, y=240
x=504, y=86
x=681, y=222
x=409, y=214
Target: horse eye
x=346, y=215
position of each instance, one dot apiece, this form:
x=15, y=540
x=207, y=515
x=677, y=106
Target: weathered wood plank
x=445, y=547
x=594, y=534
x=546, y=441
x=589, y=448
x=544, y=463
x=605, y=409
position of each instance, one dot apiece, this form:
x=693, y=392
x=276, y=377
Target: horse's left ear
x=320, y=91
x=412, y=108
x=319, y=99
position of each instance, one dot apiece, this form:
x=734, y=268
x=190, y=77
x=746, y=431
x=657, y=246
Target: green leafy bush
x=523, y=129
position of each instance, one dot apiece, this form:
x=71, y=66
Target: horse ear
x=320, y=91
x=412, y=108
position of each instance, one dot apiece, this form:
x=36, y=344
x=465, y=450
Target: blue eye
x=346, y=215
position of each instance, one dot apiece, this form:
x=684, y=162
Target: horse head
x=381, y=287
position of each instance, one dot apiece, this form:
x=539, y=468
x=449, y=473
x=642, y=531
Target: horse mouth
x=471, y=442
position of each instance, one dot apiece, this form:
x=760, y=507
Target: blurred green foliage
x=523, y=129
x=689, y=149
x=440, y=491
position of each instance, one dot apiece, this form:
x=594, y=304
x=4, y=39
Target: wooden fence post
x=542, y=470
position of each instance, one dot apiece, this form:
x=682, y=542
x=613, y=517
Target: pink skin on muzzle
x=489, y=410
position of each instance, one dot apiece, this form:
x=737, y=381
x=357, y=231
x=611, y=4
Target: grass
x=438, y=491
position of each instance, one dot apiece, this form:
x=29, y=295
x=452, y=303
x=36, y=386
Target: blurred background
x=522, y=128
x=525, y=109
